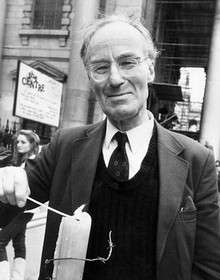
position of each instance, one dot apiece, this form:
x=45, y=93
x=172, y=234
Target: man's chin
x=121, y=114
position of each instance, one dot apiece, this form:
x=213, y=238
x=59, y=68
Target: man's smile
x=118, y=95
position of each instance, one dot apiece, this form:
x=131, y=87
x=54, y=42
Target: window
x=47, y=14
x=102, y=6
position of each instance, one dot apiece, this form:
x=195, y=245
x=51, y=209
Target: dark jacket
x=5, y=157
x=188, y=230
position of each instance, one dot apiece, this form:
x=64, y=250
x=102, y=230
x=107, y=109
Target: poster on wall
x=37, y=96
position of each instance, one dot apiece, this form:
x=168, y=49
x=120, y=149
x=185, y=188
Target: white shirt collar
x=140, y=135
x=110, y=132
x=137, y=136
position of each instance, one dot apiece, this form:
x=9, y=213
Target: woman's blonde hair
x=33, y=139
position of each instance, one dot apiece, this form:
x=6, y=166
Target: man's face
x=122, y=94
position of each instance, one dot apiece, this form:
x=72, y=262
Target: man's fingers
x=14, y=186
x=22, y=190
x=8, y=186
x=2, y=196
x=5, y=186
x=1, y=187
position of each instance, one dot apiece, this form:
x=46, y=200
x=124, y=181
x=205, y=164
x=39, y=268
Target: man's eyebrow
x=127, y=55
x=99, y=60
x=105, y=60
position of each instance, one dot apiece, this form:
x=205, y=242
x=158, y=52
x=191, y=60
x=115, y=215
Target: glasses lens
x=101, y=71
x=99, y=76
x=126, y=64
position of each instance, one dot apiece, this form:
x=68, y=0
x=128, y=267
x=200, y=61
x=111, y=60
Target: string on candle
x=103, y=260
x=47, y=261
x=47, y=207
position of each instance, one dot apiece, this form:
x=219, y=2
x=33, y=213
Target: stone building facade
x=53, y=51
x=47, y=35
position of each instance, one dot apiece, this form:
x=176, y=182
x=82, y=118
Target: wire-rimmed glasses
x=100, y=71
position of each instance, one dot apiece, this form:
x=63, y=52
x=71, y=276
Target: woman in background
x=14, y=226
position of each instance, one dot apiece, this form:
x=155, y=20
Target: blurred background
x=46, y=35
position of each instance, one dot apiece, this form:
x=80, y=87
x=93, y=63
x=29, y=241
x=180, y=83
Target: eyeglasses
x=100, y=71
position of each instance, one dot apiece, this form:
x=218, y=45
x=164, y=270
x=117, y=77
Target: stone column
x=210, y=127
x=2, y=25
x=76, y=98
x=149, y=7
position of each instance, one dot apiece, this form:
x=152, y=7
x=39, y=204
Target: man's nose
x=115, y=77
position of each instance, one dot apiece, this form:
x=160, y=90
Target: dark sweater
x=129, y=210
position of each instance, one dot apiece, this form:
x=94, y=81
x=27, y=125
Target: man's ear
x=151, y=69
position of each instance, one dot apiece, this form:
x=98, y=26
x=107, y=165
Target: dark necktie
x=118, y=164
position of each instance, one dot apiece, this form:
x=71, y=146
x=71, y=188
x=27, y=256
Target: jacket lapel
x=85, y=153
x=173, y=171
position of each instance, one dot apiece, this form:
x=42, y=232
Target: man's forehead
x=114, y=32
x=117, y=40
x=122, y=44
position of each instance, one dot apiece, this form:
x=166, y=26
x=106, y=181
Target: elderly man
x=154, y=189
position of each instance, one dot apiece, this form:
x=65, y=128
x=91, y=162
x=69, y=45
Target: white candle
x=72, y=242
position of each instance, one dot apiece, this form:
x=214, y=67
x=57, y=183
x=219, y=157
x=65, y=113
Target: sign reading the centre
x=37, y=96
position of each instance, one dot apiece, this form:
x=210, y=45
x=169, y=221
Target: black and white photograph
x=109, y=140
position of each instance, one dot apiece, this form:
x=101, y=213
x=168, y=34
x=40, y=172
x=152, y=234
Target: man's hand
x=14, y=187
